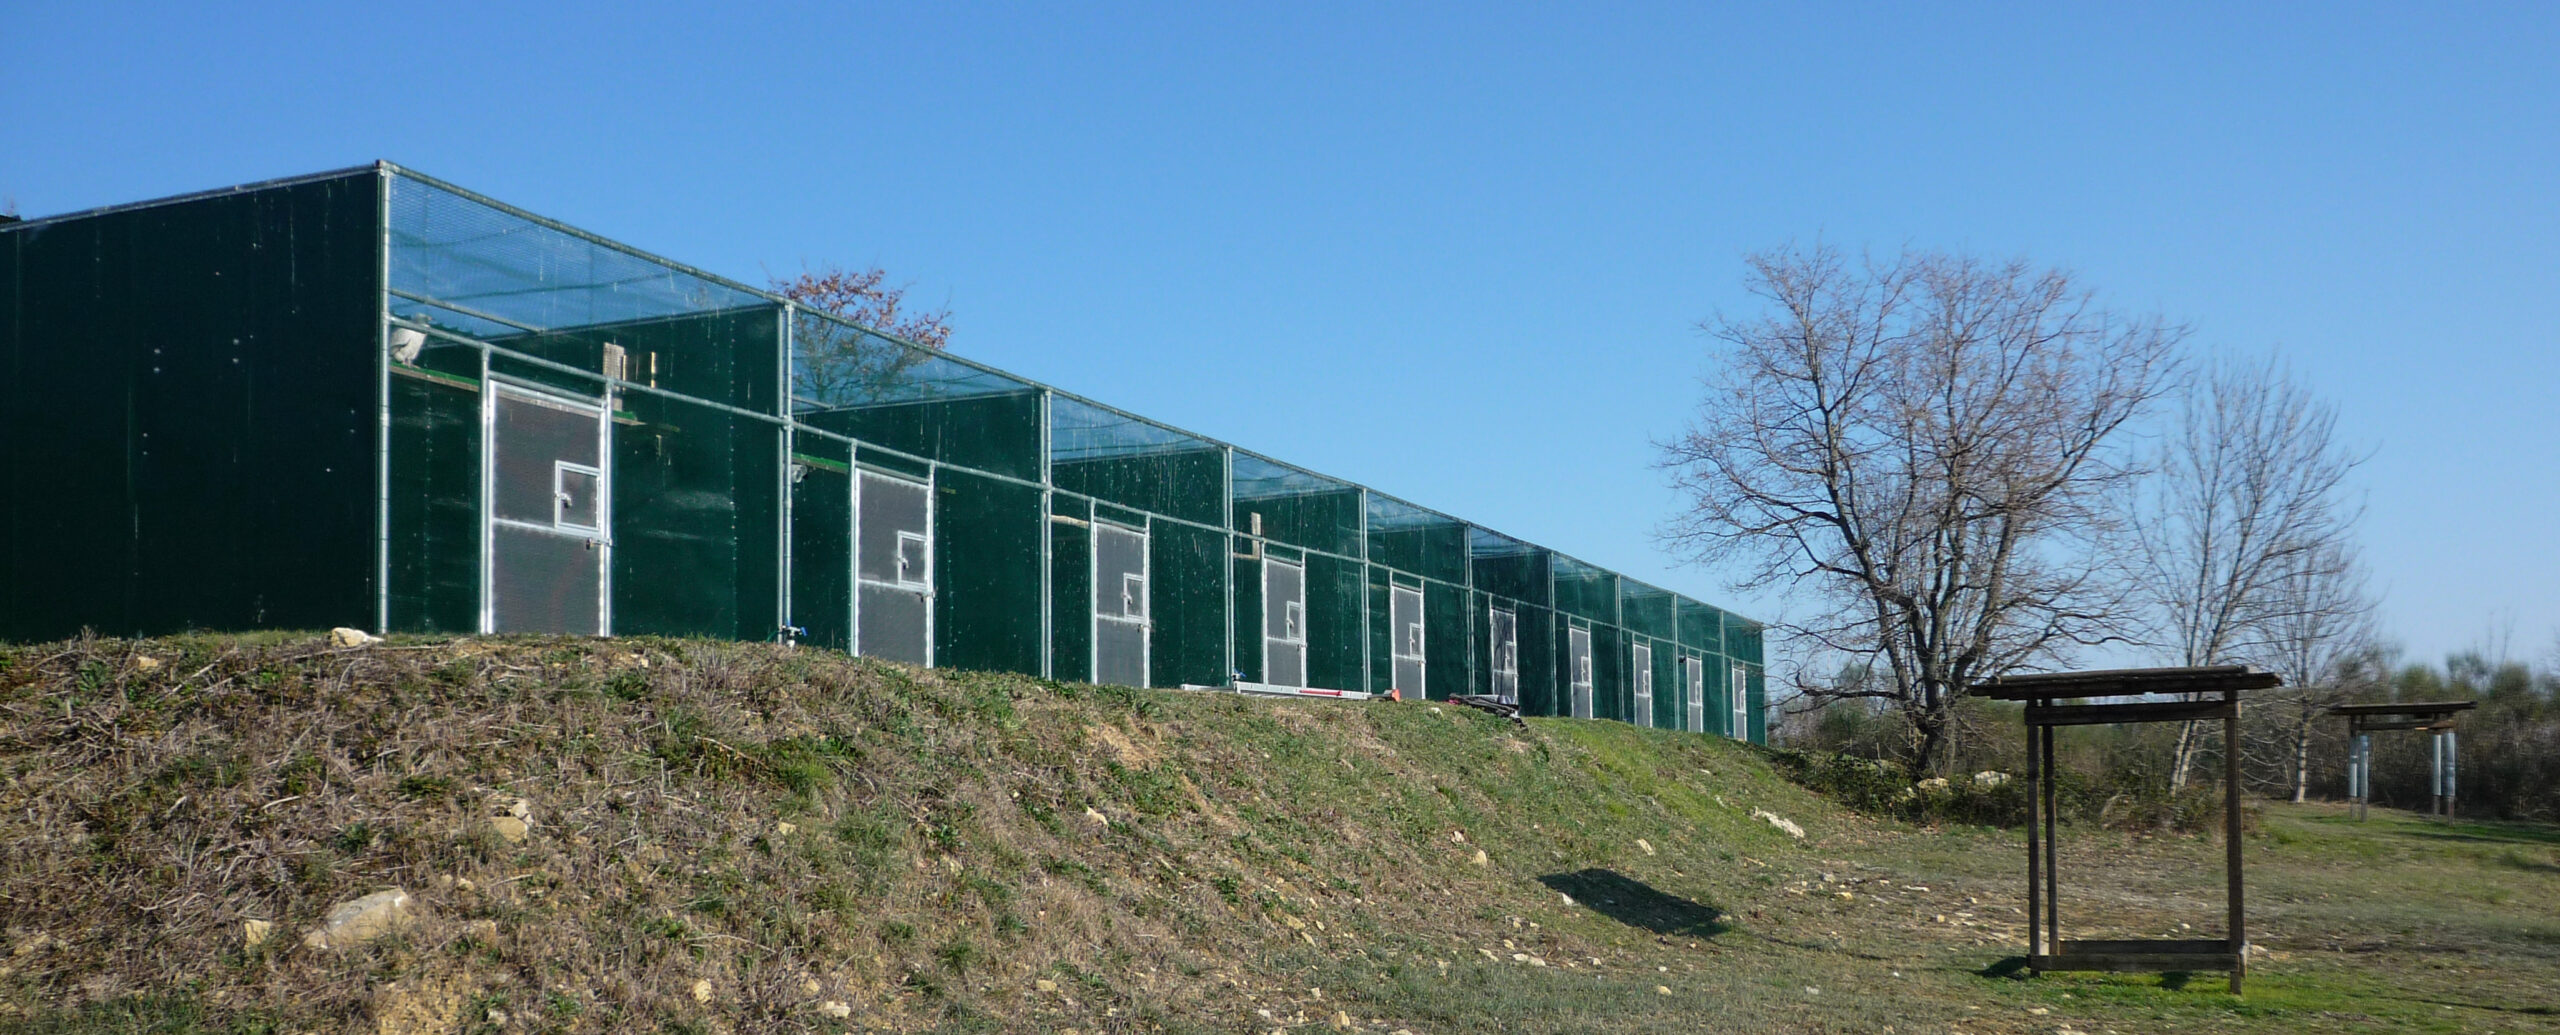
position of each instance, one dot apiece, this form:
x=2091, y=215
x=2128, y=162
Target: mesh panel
x=1119, y=606
x=1646, y=609
x=1578, y=671
x=893, y=563
x=1507, y=567
x=1296, y=506
x=541, y=582
x=1585, y=591
x=1133, y=462
x=1284, y=623
x=475, y=257
x=546, y=574
x=893, y=623
x=1405, y=638
x=1694, y=679
x=1417, y=541
x=1640, y=668
x=860, y=383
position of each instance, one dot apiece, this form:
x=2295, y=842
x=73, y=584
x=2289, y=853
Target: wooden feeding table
x=2435, y=717
x=2091, y=698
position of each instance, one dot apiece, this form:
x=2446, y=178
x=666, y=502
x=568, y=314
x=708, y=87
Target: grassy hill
x=713, y=837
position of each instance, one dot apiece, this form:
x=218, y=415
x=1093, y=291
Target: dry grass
x=1256, y=865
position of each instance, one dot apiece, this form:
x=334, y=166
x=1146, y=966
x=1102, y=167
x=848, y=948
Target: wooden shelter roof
x=2414, y=709
x=2228, y=680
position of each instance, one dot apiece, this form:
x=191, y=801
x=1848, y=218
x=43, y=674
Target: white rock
x=513, y=829
x=1481, y=859
x=1098, y=818
x=785, y=829
x=343, y=636
x=1990, y=778
x=362, y=920
x=702, y=990
x=836, y=1008
x=254, y=933
x=1778, y=821
x=1646, y=845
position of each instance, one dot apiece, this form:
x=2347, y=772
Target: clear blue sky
x=1461, y=253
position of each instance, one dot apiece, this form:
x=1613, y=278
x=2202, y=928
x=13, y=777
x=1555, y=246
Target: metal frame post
x=2231, y=852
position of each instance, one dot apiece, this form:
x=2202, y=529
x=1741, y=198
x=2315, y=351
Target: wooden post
x=2231, y=838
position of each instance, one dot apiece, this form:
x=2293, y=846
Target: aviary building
x=369, y=397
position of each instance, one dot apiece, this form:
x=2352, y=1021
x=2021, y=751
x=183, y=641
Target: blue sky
x=1458, y=251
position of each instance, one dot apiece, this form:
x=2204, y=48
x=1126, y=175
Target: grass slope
x=731, y=837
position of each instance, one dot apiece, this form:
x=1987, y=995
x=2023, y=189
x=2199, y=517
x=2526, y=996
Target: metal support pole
x=2435, y=773
x=2231, y=839
x=2052, y=842
x=2359, y=766
x=2452, y=768
x=2035, y=854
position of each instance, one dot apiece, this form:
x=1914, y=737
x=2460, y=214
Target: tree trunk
x=2184, y=757
x=2302, y=760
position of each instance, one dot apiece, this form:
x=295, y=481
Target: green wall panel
x=986, y=604
x=160, y=359
x=1187, y=484
x=1586, y=592
x=822, y=543
x=1246, y=568
x=1071, y=591
x=435, y=506
x=995, y=433
x=1521, y=575
x=1335, y=591
x=696, y=521
x=1446, y=643
x=1188, y=592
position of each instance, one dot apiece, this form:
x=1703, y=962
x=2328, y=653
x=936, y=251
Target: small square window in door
x=576, y=501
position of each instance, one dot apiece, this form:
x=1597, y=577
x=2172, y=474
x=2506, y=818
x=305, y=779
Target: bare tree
x=2246, y=497
x=2321, y=636
x=1925, y=448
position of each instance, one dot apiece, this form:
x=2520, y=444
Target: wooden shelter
x=2118, y=696
x=2435, y=717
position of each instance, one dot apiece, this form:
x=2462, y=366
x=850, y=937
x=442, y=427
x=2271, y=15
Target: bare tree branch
x=1926, y=448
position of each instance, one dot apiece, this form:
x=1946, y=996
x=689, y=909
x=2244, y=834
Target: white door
x=1741, y=695
x=1404, y=623
x=1506, y=654
x=549, y=516
x=1121, y=627
x=893, y=569
x=1284, y=623
x=1642, y=656
x=1696, y=672
x=1578, y=654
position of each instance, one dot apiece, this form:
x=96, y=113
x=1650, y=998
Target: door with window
x=1506, y=654
x=1695, y=672
x=1121, y=627
x=1404, y=620
x=893, y=568
x=1741, y=695
x=1284, y=623
x=549, y=517
x=1578, y=655
x=1642, y=658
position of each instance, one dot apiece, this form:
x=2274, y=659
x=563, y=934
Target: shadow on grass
x=1637, y=904
x=2487, y=833
x=2429, y=828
